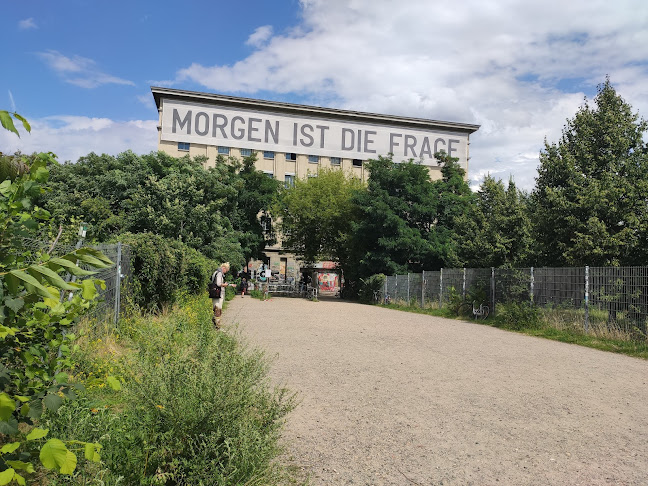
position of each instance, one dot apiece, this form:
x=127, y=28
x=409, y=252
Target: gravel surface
x=394, y=398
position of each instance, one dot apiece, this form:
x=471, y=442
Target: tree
x=316, y=215
x=496, y=232
x=590, y=204
x=214, y=210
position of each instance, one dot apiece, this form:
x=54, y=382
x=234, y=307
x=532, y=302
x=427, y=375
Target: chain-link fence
x=116, y=277
x=613, y=298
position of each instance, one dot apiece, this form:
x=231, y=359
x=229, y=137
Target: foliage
x=317, y=214
x=590, y=197
x=8, y=124
x=406, y=222
x=163, y=268
x=496, y=231
x=196, y=408
x=37, y=309
x=370, y=286
x=213, y=210
x=518, y=316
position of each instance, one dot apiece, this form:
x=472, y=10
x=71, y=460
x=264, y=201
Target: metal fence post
x=441, y=289
x=531, y=286
x=493, y=290
x=408, y=288
x=463, y=288
x=385, y=292
x=423, y=289
x=586, y=299
x=118, y=280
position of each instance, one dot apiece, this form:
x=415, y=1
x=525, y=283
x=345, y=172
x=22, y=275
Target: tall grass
x=196, y=407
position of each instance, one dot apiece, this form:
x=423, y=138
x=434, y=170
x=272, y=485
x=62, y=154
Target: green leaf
x=89, y=289
x=24, y=122
x=89, y=252
x=15, y=304
x=61, y=377
x=22, y=466
x=92, y=452
x=114, y=383
x=5, y=186
x=9, y=427
x=9, y=448
x=54, y=455
x=70, y=267
x=51, y=276
x=7, y=407
x=52, y=402
x=7, y=475
x=7, y=123
x=19, y=479
x=30, y=280
x=37, y=434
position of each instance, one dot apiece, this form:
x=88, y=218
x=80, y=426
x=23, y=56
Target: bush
x=518, y=316
x=197, y=408
x=370, y=286
x=163, y=268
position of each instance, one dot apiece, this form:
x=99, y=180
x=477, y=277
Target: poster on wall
x=327, y=282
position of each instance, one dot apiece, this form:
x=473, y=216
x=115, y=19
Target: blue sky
x=81, y=71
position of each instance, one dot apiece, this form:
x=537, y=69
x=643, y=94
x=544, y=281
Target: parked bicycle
x=473, y=310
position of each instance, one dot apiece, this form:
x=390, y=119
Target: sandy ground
x=394, y=398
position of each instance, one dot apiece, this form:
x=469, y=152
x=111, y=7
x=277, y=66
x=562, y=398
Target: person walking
x=217, y=292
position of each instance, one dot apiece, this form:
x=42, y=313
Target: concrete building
x=296, y=140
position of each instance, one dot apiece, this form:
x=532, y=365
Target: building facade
x=295, y=141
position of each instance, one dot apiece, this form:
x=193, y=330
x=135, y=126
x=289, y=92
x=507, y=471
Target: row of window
x=268, y=154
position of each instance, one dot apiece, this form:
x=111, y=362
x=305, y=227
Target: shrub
x=518, y=316
x=163, y=268
x=369, y=286
x=197, y=408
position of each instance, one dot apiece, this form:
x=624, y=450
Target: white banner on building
x=259, y=130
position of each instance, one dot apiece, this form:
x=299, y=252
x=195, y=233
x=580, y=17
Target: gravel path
x=394, y=398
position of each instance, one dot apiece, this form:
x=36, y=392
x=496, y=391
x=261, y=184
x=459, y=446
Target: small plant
x=518, y=316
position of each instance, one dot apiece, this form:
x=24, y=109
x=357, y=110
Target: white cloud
x=499, y=63
x=80, y=71
x=71, y=137
x=259, y=36
x=27, y=24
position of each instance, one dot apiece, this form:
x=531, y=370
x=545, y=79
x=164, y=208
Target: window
x=246, y=152
x=269, y=174
x=268, y=154
x=289, y=180
x=357, y=163
x=266, y=223
x=336, y=160
x=223, y=150
x=313, y=159
x=291, y=156
x=310, y=174
x=184, y=146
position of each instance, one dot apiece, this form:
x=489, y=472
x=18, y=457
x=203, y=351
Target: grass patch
x=564, y=325
x=196, y=406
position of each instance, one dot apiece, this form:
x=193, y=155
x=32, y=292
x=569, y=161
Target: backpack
x=213, y=288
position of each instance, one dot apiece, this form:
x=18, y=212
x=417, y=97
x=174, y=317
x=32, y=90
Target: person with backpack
x=217, y=292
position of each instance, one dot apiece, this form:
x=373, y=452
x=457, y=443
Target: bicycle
x=473, y=311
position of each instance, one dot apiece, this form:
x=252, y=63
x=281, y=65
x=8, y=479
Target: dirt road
x=393, y=398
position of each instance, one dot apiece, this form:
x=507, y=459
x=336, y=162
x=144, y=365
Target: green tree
x=496, y=232
x=316, y=215
x=590, y=197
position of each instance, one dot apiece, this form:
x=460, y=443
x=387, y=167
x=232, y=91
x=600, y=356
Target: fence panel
x=416, y=287
x=431, y=287
x=559, y=287
x=453, y=279
x=619, y=298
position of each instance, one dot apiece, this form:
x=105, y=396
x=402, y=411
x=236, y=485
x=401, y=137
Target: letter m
x=182, y=123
